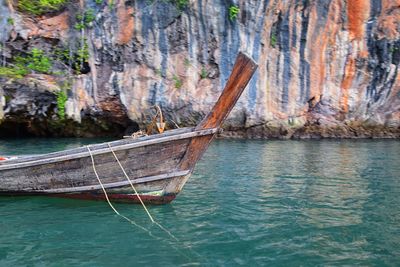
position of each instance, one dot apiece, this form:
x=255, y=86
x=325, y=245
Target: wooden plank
x=107, y=150
x=97, y=146
x=117, y=184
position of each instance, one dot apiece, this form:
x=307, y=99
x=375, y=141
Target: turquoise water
x=254, y=203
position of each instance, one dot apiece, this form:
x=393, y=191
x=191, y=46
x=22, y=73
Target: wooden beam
x=115, y=184
x=72, y=156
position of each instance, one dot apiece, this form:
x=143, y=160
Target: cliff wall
x=326, y=68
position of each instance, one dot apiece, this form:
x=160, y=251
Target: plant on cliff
x=61, y=101
x=233, y=12
x=273, y=40
x=178, y=82
x=85, y=19
x=13, y=72
x=35, y=61
x=203, y=73
x=10, y=21
x=82, y=55
x=180, y=4
x=40, y=7
x=38, y=61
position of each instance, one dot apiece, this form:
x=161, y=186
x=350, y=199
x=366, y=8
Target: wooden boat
x=158, y=165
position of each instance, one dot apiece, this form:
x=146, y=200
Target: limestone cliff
x=326, y=68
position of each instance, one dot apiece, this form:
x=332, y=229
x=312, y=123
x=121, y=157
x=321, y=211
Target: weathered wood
x=46, y=159
x=118, y=184
x=139, y=162
x=95, y=147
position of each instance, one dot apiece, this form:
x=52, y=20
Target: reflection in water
x=324, y=177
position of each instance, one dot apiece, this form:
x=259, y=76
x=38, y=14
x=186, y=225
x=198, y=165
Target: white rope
x=105, y=193
x=140, y=199
x=129, y=220
x=130, y=182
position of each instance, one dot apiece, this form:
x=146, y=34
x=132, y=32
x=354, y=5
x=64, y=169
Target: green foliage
x=79, y=26
x=99, y=2
x=84, y=19
x=40, y=7
x=273, y=40
x=13, y=72
x=393, y=49
x=111, y=4
x=62, y=54
x=233, y=12
x=203, y=73
x=10, y=21
x=187, y=62
x=38, y=61
x=82, y=55
x=61, y=100
x=89, y=16
x=181, y=4
x=178, y=82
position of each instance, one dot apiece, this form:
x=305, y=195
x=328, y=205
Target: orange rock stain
x=349, y=73
x=125, y=23
x=357, y=13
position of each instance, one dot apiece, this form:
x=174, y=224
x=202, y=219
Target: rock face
x=326, y=68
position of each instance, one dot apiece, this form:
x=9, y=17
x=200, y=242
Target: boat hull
x=153, y=169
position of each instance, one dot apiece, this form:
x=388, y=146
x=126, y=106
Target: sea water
x=253, y=203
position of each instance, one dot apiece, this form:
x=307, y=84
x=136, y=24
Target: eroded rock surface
x=326, y=68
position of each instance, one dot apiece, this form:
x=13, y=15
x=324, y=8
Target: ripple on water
x=248, y=203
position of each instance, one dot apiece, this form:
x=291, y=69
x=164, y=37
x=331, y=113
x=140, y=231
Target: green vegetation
x=40, y=7
x=37, y=61
x=61, y=100
x=82, y=55
x=13, y=72
x=393, y=49
x=180, y=4
x=233, y=12
x=187, y=62
x=10, y=21
x=273, y=40
x=84, y=19
x=111, y=4
x=178, y=82
x=99, y=2
x=203, y=73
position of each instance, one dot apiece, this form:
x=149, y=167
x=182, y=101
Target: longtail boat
x=158, y=166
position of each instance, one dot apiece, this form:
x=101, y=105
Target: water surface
x=275, y=203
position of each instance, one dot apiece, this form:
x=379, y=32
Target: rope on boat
x=130, y=182
x=105, y=193
x=126, y=218
x=140, y=199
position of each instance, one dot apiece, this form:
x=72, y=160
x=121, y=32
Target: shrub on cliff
x=40, y=7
